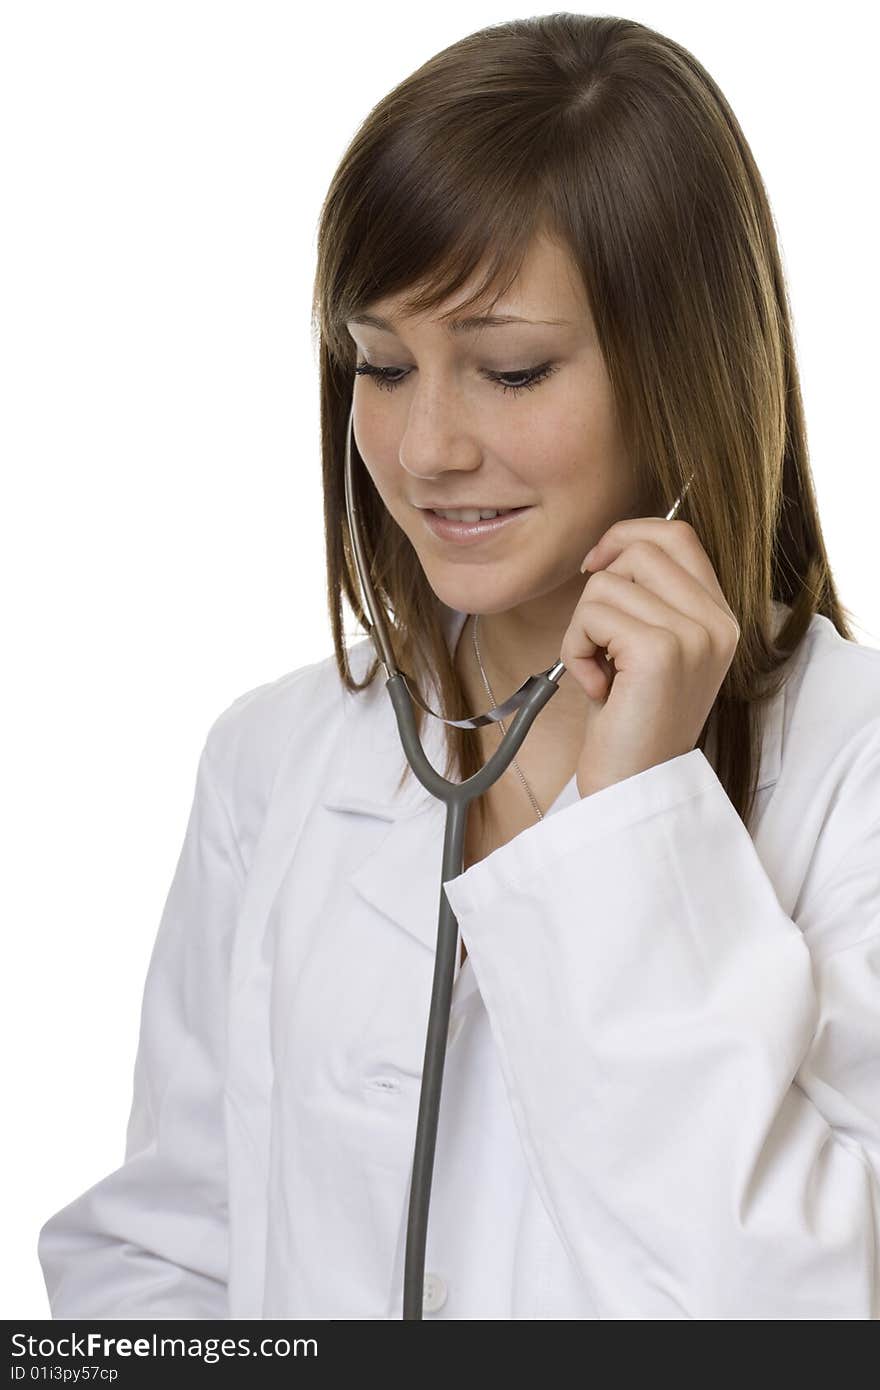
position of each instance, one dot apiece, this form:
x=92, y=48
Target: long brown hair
x=614, y=140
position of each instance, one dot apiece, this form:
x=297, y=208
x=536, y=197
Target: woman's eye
x=524, y=380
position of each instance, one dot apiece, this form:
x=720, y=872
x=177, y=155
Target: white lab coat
x=685, y=1022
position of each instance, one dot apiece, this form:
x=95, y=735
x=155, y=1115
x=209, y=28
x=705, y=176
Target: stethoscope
x=526, y=703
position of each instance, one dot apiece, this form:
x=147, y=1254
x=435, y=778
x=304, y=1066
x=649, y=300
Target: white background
x=162, y=167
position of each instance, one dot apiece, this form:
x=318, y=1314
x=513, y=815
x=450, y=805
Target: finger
x=593, y=668
x=620, y=593
x=677, y=539
x=612, y=629
x=654, y=569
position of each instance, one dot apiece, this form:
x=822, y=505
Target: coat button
x=434, y=1294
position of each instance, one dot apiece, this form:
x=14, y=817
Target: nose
x=436, y=441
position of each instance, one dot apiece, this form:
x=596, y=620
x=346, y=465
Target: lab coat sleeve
x=696, y=1090
x=150, y=1239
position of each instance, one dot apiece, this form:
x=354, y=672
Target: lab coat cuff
x=591, y=819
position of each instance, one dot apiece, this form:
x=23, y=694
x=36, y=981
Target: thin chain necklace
x=537, y=808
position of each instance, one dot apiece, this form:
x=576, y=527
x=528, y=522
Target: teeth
x=472, y=515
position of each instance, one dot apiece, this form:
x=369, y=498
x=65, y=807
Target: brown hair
x=614, y=140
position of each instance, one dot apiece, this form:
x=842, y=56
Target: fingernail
x=587, y=558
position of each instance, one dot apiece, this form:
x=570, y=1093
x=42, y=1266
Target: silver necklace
x=537, y=808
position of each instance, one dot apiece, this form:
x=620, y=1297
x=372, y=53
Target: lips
x=471, y=514
x=474, y=532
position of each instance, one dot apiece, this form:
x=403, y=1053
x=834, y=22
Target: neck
x=519, y=643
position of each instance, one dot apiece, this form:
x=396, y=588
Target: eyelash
x=535, y=376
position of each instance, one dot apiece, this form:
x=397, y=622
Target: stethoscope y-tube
x=527, y=702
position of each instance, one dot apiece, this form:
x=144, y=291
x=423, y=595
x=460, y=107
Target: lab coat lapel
x=401, y=877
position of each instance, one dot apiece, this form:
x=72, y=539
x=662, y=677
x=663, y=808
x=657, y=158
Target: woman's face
x=443, y=432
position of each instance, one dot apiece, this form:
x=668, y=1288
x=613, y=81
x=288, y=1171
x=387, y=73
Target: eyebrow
x=465, y=325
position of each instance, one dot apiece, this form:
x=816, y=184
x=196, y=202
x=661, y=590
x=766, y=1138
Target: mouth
x=472, y=532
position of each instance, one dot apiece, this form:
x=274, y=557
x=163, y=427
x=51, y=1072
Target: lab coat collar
x=401, y=877
x=372, y=759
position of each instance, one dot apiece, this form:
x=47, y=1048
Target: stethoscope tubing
x=525, y=704
x=457, y=798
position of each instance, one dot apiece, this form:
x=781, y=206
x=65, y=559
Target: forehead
x=547, y=289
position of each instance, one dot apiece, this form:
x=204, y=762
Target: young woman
x=662, y=1088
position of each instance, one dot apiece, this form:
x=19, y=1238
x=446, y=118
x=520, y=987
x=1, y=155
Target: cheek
x=575, y=444
x=378, y=448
